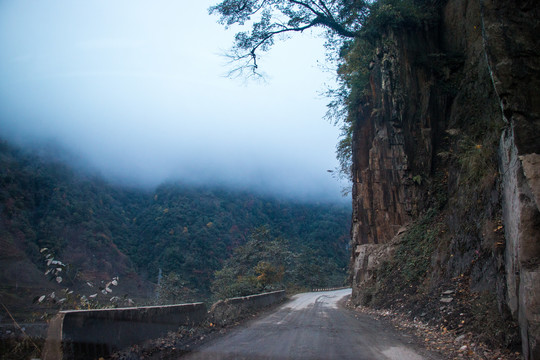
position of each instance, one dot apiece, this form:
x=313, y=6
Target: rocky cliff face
x=513, y=50
x=451, y=123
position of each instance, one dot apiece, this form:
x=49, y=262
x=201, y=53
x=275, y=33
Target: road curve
x=313, y=326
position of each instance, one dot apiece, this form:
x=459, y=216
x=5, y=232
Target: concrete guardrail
x=226, y=311
x=90, y=334
x=331, y=289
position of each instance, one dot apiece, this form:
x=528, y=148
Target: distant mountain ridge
x=103, y=230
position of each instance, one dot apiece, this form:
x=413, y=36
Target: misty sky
x=137, y=90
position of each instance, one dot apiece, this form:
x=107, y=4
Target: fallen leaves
x=449, y=344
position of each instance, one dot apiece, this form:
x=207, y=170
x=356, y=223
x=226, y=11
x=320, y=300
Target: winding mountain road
x=313, y=326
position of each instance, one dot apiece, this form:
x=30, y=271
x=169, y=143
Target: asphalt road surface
x=313, y=326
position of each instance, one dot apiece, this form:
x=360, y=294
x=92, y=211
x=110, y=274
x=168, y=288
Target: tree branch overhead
x=269, y=18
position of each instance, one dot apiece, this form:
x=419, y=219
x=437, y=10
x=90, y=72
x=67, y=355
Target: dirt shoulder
x=447, y=344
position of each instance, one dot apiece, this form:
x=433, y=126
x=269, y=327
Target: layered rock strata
x=417, y=95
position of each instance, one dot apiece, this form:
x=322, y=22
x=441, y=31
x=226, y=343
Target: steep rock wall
x=472, y=70
x=510, y=32
x=394, y=136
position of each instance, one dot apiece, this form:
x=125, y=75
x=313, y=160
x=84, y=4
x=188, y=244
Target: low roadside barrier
x=226, y=311
x=331, y=289
x=91, y=334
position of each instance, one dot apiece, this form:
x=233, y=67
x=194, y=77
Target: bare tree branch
x=301, y=15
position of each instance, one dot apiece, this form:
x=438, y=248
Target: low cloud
x=144, y=100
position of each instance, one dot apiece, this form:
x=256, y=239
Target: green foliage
x=413, y=255
x=180, y=239
x=228, y=284
x=402, y=275
x=268, y=19
x=171, y=289
x=477, y=149
x=476, y=160
x=103, y=230
x=342, y=19
x=353, y=79
x=267, y=263
x=399, y=14
x=353, y=26
x=357, y=58
x=268, y=274
x=311, y=270
x=257, y=266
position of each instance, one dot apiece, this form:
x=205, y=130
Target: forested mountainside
x=181, y=233
x=443, y=124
